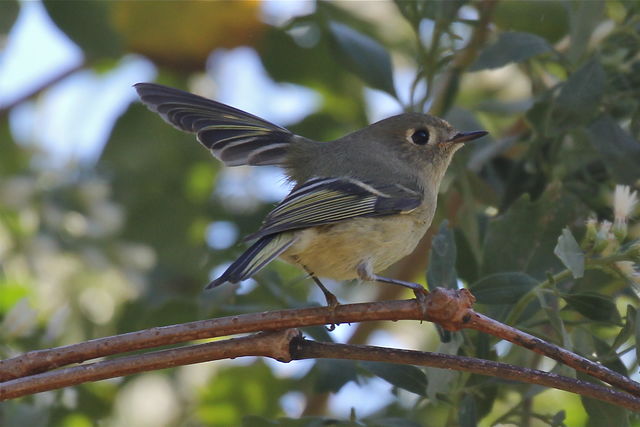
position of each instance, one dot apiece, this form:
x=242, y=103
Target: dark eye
x=420, y=137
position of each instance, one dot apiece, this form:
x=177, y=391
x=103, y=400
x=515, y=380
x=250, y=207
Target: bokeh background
x=111, y=221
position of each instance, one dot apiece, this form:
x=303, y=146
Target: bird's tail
x=233, y=136
x=255, y=258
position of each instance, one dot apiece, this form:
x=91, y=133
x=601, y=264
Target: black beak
x=468, y=136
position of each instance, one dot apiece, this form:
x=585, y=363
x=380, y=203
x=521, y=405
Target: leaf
x=558, y=419
x=467, y=414
x=502, y=288
x=76, y=18
x=256, y=421
x=390, y=422
x=524, y=237
x=619, y=150
x=593, y=306
x=406, y=377
x=584, y=18
x=363, y=56
x=608, y=357
x=510, y=47
x=286, y=61
x=580, y=95
x=332, y=374
x=442, y=259
x=627, y=330
x=570, y=253
x=601, y=413
x=9, y=10
x=548, y=19
x=637, y=334
x=443, y=12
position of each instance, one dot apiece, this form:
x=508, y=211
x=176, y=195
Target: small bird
x=360, y=202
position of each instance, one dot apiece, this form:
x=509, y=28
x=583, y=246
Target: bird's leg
x=332, y=301
x=365, y=273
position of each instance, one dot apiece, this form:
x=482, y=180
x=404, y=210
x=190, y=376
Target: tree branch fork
x=274, y=334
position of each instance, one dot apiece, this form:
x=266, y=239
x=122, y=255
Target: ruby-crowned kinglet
x=359, y=204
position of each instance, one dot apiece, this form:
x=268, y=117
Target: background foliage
x=96, y=249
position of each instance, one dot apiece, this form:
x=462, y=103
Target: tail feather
x=255, y=258
x=233, y=136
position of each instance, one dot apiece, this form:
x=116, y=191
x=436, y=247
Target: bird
x=358, y=204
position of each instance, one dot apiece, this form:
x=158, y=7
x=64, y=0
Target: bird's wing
x=232, y=135
x=329, y=200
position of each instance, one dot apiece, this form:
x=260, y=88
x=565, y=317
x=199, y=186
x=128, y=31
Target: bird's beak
x=468, y=136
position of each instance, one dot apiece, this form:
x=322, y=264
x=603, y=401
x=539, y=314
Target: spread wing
x=233, y=136
x=329, y=200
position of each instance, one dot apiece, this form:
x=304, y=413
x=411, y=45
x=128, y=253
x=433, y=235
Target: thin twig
x=4, y=109
x=487, y=325
x=269, y=344
x=304, y=349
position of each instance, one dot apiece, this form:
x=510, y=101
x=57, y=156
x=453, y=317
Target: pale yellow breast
x=335, y=251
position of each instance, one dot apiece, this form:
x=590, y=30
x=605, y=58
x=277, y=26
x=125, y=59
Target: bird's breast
x=335, y=251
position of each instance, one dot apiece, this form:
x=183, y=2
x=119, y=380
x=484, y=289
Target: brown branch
x=449, y=308
x=4, y=109
x=266, y=344
x=42, y=360
x=487, y=325
x=304, y=349
x=289, y=345
x=448, y=87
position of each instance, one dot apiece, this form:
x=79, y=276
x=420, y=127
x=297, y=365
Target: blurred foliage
x=89, y=251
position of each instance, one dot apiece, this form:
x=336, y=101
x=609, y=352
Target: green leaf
x=9, y=10
x=502, y=288
x=627, y=330
x=558, y=419
x=593, y=306
x=601, y=413
x=584, y=17
x=406, y=377
x=637, y=334
x=619, y=150
x=524, y=237
x=332, y=374
x=580, y=95
x=608, y=357
x=467, y=414
x=256, y=421
x=442, y=259
x=548, y=19
x=442, y=11
x=510, y=47
x=390, y=422
x=88, y=24
x=363, y=56
x=570, y=253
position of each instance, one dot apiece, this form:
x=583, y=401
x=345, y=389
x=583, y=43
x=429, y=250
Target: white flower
x=628, y=270
x=624, y=201
x=604, y=233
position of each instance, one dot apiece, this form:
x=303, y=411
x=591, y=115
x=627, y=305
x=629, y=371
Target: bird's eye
x=420, y=137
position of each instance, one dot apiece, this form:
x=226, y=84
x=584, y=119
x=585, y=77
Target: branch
x=266, y=344
x=448, y=86
x=38, y=361
x=451, y=309
x=4, y=109
x=303, y=349
x=289, y=345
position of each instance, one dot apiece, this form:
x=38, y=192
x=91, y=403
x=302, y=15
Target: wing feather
x=232, y=135
x=329, y=200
